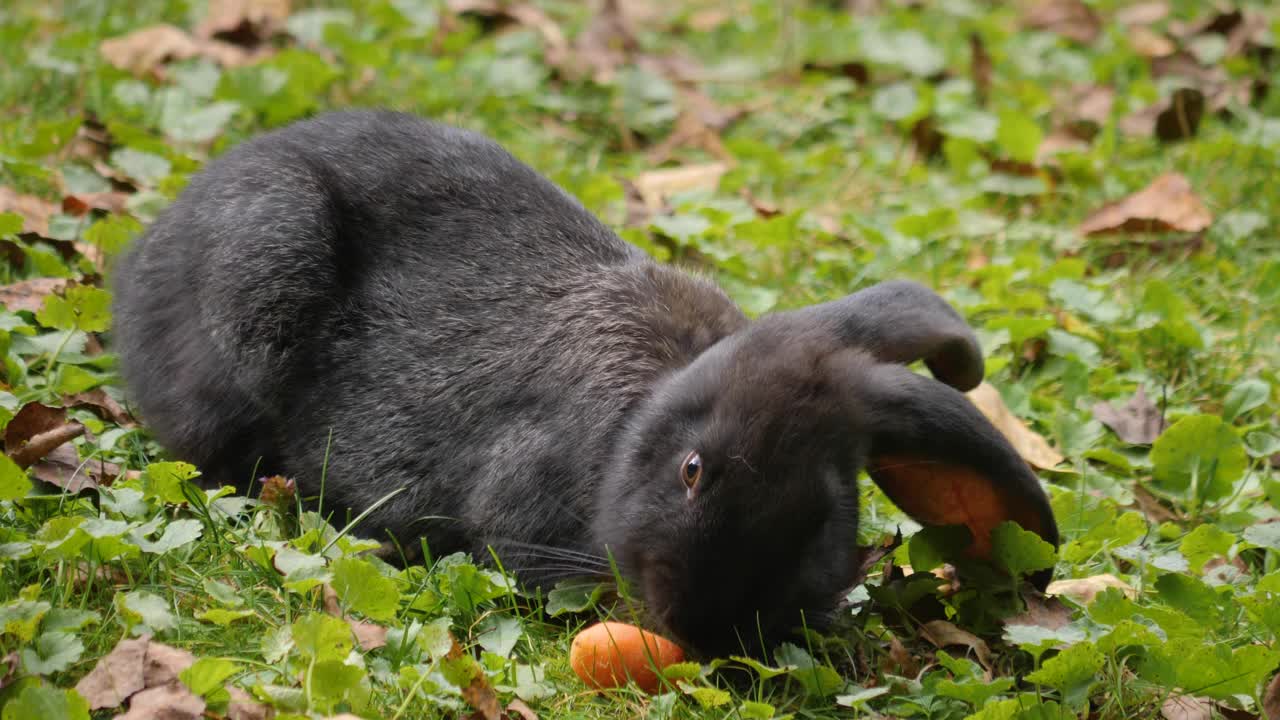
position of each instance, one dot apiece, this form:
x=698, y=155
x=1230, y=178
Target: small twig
x=44, y=443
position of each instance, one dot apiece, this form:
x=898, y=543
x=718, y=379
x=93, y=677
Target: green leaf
x=82, y=307
x=222, y=616
x=14, y=483
x=333, y=679
x=1265, y=535
x=141, y=166
x=177, y=533
x=141, y=607
x=815, y=678
x=1205, y=543
x=1199, y=457
x=1073, y=672
x=764, y=671
x=222, y=592
x=752, y=710
x=207, y=674
x=1245, y=396
x=861, y=697
x=72, y=379
x=21, y=617
x=435, y=639
x=499, y=634
x=1019, y=136
x=322, y=637
x=934, y=545
x=164, y=481
x=1021, y=551
x=68, y=620
x=112, y=233
x=707, y=697
x=52, y=652
x=573, y=596
x=365, y=590
x=682, y=671
x=46, y=703
x=1189, y=595
x=10, y=224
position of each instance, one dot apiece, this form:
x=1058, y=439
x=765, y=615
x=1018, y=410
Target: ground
x=1090, y=183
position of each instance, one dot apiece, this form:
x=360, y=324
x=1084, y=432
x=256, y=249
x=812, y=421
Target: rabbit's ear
x=902, y=321
x=942, y=462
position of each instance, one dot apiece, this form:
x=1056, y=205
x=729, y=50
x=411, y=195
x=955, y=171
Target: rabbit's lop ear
x=938, y=459
x=902, y=321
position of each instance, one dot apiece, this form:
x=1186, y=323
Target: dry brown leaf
x=522, y=13
x=1271, y=699
x=1044, y=612
x=945, y=634
x=171, y=701
x=164, y=663
x=8, y=669
x=243, y=22
x=1084, y=590
x=519, y=707
x=103, y=405
x=606, y=43
x=1058, y=141
x=480, y=695
x=1137, y=422
x=244, y=707
x=1030, y=445
x=1167, y=204
x=708, y=19
x=655, y=186
x=31, y=420
x=1143, y=13
x=1151, y=506
x=1186, y=707
x=63, y=468
x=371, y=636
x=1177, y=117
x=44, y=443
x=35, y=211
x=980, y=68
x=1071, y=19
x=110, y=201
x=1150, y=44
x=1085, y=109
x=145, y=51
x=900, y=659
x=117, y=676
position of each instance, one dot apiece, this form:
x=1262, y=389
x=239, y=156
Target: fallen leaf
x=31, y=420
x=1137, y=422
x=1143, y=13
x=655, y=186
x=606, y=43
x=1030, y=445
x=1177, y=117
x=526, y=14
x=171, y=701
x=35, y=211
x=243, y=22
x=40, y=445
x=8, y=669
x=29, y=294
x=244, y=707
x=1042, y=611
x=900, y=659
x=146, y=51
x=698, y=125
x=945, y=634
x=1056, y=142
x=1271, y=699
x=708, y=19
x=1086, y=109
x=1084, y=590
x=1167, y=204
x=371, y=636
x=1071, y=19
x=1150, y=44
x=1186, y=707
x=980, y=68
x=519, y=707
x=1151, y=507
x=83, y=203
x=164, y=663
x=480, y=695
x=103, y=405
x=117, y=676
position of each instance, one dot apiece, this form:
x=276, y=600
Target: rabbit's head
x=732, y=506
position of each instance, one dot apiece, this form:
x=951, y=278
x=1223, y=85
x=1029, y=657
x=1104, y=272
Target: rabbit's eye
x=691, y=470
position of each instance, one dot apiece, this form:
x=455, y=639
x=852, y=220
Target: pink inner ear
x=936, y=493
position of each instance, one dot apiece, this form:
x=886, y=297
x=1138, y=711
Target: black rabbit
x=411, y=307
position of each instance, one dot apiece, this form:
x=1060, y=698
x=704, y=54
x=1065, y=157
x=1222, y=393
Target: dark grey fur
x=469, y=332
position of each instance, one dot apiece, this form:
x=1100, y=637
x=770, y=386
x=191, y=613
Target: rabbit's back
x=408, y=306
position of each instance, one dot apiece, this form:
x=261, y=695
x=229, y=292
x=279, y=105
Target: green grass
x=828, y=191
